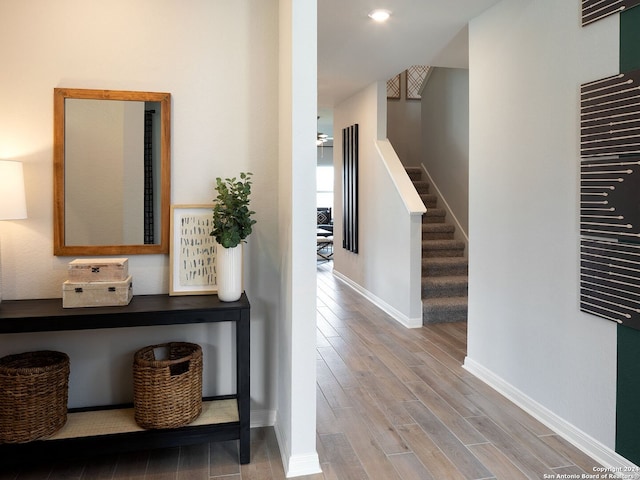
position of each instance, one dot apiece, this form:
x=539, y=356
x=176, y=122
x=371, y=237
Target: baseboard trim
x=298, y=465
x=262, y=418
x=616, y=463
x=388, y=309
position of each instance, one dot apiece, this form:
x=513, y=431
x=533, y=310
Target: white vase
x=229, y=273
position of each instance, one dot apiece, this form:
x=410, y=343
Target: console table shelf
x=113, y=429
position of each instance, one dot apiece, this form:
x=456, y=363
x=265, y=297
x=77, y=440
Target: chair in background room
x=324, y=233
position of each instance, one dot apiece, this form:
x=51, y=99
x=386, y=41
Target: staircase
x=444, y=266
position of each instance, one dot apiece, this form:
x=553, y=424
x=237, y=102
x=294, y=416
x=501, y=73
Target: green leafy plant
x=232, y=220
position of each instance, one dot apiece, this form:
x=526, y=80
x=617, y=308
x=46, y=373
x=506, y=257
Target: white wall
x=404, y=126
x=218, y=59
x=445, y=138
x=385, y=263
x=295, y=427
x=527, y=59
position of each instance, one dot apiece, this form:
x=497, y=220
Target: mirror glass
x=111, y=172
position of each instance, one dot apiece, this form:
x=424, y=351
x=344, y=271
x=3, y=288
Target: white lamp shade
x=13, y=204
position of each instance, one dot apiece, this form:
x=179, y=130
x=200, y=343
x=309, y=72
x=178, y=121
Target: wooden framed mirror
x=112, y=171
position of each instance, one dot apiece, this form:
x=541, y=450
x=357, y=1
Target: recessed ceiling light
x=380, y=15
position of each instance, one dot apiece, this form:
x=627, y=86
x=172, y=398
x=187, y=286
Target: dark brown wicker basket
x=167, y=393
x=34, y=389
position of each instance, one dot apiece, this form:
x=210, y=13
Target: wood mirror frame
x=60, y=246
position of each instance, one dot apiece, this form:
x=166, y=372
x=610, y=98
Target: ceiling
x=354, y=51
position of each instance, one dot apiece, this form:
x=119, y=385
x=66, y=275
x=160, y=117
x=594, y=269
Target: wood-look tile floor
x=392, y=403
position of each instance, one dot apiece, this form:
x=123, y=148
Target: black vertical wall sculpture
x=350, y=188
x=593, y=10
x=610, y=198
x=610, y=205
x=610, y=116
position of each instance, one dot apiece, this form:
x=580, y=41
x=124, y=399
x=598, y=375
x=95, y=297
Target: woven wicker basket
x=167, y=393
x=34, y=388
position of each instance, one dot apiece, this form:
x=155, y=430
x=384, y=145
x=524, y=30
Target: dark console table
x=81, y=436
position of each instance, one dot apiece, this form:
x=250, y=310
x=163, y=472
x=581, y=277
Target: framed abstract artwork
x=414, y=78
x=192, y=252
x=393, y=88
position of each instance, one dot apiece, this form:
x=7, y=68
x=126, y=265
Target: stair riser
x=429, y=291
x=442, y=245
x=453, y=252
x=422, y=188
x=426, y=218
x=430, y=201
x=437, y=235
x=448, y=315
x=444, y=270
x=437, y=231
